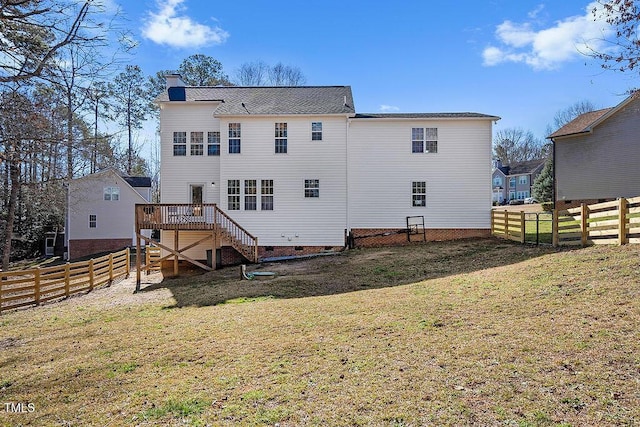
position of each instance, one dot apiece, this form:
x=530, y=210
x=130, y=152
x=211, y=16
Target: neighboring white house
x=100, y=211
x=299, y=169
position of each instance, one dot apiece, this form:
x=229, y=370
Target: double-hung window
x=111, y=194
x=523, y=179
x=512, y=182
x=234, y=138
x=213, y=143
x=93, y=221
x=266, y=195
x=424, y=140
x=197, y=143
x=179, y=143
x=419, y=193
x=250, y=195
x=233, y=194
x=281, y=138
x=316, y=131
x=311, y=188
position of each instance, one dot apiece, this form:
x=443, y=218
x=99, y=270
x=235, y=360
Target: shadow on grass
x=350, y=271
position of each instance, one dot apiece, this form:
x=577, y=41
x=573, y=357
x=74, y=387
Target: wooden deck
x=191, y=217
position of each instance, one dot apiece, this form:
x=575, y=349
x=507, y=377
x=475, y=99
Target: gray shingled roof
x=425, y=116
x=263, y=100
x=528, y=166
x=138, y=181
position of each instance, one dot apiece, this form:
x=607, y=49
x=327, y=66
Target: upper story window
x=250, y=195
x=424, y=140
x=497, y=181
x=419, y=193
x=523, y=179
x=266, y=195
x=316, y=131
x=512, y=182
x=213, y=143
x=233, y=194
x=311, y=188
x=234, y=138
x=93, y=221
x=281, y=138
x=111, y=194
x=197, y=143
x=179, y=143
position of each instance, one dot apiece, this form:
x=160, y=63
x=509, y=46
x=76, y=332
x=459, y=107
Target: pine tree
x=543, y=185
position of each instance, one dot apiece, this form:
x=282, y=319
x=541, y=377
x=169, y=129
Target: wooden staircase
x=240, y=239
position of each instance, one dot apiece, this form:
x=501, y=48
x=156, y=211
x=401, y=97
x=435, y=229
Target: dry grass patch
x=469, y=333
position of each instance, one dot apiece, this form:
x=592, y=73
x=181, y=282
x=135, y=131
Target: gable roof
x=585, y=123
x=267, y=100
x=131, y=181
x=526, y=167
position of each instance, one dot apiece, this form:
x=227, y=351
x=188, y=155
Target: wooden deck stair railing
x=241, y=240
x=198, y=217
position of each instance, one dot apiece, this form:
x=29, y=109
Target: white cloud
x=167, y=26
x=548, y=48
x=389, y=108
x=535, y=12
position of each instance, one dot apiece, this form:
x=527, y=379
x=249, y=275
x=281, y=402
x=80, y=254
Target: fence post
x=506, y=223
x=493, y=218
x=128, y=261
x=36, y=280
x=623, y=220
x=67, y=279
x=91, y=274
x=110, y=268
x=523, y=227
x=555, y=238
x=1, y=280
x=584, y=230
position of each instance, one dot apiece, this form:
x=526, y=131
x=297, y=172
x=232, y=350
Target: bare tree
x=34, y=31
x=261, y=74
x=513, y=145
x=252, y=74
x=564, y=116
x=623, y=52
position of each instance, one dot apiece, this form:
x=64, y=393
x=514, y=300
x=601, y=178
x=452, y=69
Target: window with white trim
x=266, y=195
x=180, y=143
x=111, y=194
x=316, y=131
x=424, y=140
x=281, y=138
x=497, y=181
x=197, y=143
x=250, y=195
x=213, y=143
x=523, y=179
x=419, y=193
x=234, y=138
x=93, y=221
x=512, y=182
x=233, y=194
x=311, y=188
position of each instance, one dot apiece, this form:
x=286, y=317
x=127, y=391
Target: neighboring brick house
x=100, y=211
x=597, y=155
x=299, y=169
x=514, y=182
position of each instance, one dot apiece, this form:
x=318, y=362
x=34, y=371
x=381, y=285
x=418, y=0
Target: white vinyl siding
x=385, y=165
x=178, y=172
x=308, y=222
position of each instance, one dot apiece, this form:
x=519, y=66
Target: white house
x=299, y=169
x=100, y=211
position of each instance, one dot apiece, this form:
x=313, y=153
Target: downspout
x=347, y=198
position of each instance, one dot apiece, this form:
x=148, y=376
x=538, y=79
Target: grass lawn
x=480, y=332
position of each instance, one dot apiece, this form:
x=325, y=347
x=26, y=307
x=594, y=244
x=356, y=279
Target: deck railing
x=189, y=216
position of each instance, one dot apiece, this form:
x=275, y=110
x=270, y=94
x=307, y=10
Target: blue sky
x=518, y=60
